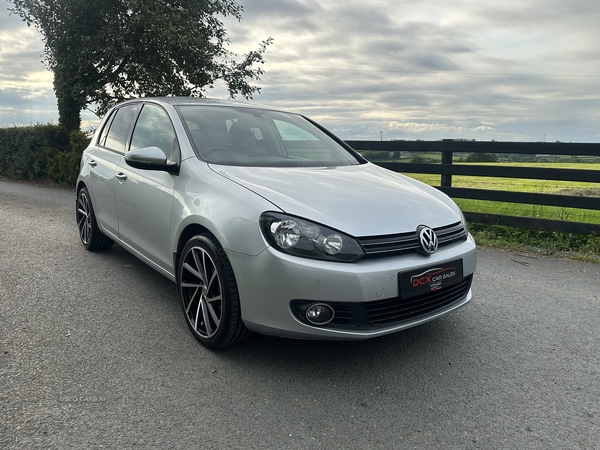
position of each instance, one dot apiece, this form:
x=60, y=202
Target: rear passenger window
x=119, y=128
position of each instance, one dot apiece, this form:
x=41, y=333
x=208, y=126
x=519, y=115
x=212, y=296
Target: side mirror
x=150, y=158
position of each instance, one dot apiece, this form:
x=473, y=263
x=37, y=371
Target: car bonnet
x=362, y=200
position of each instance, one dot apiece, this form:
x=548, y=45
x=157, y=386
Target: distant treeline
x=435, y=157
x=48, y=152
x=41, y=152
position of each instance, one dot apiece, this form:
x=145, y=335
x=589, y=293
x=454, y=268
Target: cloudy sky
x=516, y=70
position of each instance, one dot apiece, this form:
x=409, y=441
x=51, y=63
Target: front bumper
x=269, y=282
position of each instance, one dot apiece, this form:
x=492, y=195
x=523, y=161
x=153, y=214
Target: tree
x=105, y=51
x=376, y=155
x=482, y=157
x=422, y=160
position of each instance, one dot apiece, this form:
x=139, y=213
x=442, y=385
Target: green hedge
x=41, y=152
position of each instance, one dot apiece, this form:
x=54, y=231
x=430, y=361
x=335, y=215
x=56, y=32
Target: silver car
x=268, y=223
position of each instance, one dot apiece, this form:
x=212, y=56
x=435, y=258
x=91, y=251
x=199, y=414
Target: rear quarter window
x=119, y=128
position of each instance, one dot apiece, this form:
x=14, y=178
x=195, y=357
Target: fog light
x=319, y=314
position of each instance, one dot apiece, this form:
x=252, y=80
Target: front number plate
x=427, y=280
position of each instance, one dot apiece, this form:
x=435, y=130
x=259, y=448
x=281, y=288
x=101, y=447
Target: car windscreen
x=257, y=137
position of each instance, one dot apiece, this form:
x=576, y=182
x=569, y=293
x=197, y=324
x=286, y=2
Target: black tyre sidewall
x=97, y=240
x=230, y=313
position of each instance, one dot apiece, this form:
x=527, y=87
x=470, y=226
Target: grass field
x=580, y=247
x=526, y=185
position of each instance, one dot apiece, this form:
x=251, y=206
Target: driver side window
x=154, y=129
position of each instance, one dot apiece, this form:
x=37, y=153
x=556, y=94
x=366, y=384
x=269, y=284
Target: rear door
x=104, y=160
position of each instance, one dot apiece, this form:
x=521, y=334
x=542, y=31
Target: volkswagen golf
x=269, y=223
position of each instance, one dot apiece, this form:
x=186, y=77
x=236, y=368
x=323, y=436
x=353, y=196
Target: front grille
x=393, y=244
x=394, y=310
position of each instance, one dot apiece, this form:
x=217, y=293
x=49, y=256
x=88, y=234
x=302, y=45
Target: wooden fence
x=447, y=169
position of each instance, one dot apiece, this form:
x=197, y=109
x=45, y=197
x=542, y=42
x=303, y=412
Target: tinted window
x=154, y=129
x=255, y=137
x=119, y=128
x=102, y=140
x=300, y=143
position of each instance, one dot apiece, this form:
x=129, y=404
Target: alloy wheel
x=84, y=218
x=202, y=292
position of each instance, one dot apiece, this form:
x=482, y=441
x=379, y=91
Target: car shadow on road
x=430, y=347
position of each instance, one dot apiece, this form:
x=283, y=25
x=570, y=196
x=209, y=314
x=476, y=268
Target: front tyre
x=209, y=294
x=89, y=233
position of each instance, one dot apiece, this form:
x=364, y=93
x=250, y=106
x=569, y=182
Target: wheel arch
x=186, y=234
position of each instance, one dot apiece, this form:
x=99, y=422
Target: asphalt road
x=95, y=353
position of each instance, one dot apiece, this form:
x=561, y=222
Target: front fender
x=227, y=210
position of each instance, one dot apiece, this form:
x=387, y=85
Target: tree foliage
x=375, y=155
x=104, y=51
x=482, y=157
x=422, y=160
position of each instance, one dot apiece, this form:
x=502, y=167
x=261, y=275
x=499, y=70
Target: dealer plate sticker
x=427, y=280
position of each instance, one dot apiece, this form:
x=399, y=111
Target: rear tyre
x=89, y=233
x=209, y=294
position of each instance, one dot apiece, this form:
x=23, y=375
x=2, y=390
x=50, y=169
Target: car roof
x=185, y=101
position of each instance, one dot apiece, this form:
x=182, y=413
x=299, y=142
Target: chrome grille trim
x=392, y=244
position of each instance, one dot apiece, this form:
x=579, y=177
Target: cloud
x=514, y=70
x=26, y=95
x=441, y=70
x=20, y=107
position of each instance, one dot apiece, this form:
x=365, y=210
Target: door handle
x=92, y=163
x=121, y=176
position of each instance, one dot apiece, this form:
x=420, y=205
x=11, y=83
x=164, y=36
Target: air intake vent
x=394, y=310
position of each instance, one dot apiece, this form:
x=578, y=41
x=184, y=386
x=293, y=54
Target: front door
x=144, y=197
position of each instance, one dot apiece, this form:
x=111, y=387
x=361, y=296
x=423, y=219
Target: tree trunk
x=69, y=106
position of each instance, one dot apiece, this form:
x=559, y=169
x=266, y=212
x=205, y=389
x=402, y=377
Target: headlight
x=464, y=221
x=300, y=237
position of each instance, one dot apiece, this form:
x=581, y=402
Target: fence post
x=446, y=180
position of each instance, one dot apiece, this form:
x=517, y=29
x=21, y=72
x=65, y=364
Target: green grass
x=537, y=211
x=579, y=247
x=525, y=185
x=516, y=184
x=572, y=246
